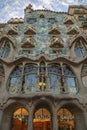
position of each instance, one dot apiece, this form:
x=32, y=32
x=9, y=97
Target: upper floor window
x=62, y=79
x=31, y=20
x=81, y=17
x=5, y=49
x=2, y=74
x=51, y=20
x=80, y=49
x=84, y=74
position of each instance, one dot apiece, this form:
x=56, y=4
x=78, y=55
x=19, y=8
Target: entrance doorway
x=65, y=119
x=20, y=119
x=42, y=119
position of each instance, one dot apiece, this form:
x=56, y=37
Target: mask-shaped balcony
x=28, y=43
x=12, y=30
x=56, y=43
x=68, y=20
x=54, y=30
x=72, y=30
x=30, y=30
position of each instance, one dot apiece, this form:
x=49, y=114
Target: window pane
x=5, y=50
x=1, y=74
x=30, y=82
x=80, y=49
x=15, y=79
x=71, y=85
x=30, y=77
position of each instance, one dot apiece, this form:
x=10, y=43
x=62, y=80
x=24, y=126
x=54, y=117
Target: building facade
x=43, y=70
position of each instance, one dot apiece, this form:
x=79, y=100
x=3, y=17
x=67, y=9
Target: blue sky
x=15, y=8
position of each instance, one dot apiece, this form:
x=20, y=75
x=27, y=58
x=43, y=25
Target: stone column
x=79, y=122
x=48, y=84
x=54, y=121
x=6, y=123
x=85, y=115
x=1, y=115
x=30, y=121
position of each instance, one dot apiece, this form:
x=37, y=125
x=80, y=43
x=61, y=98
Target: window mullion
x=62, y=78
x=22, y=78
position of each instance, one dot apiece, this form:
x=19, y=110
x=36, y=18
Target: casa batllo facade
x=43, y=70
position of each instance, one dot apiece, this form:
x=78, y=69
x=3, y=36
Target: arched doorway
x=20, y=119
x=65, y=119
x=42, y=119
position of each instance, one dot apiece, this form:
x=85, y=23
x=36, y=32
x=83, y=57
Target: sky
x=15, y=8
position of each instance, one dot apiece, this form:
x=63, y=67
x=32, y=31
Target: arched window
x=20, y=119
x=2, y=74
x=30, y=77
x=69, y=79
x=42, y=119
x=84, y=74
x=62, y=79
x=5, y=49
x=65, y=119
x=16, y=79
x=80, y=49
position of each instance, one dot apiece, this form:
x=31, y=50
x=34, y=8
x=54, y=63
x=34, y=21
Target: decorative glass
x=62, y=79
x=5, y=49
x=69, y=80
x=84, y=74
x=54, y=73
x=80, y=49
x=65, y=119
x=30, y=78
x=1, y=74
x=15, y=79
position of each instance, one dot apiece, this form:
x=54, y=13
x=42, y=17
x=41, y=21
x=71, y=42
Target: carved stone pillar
x=54, y=121
x=1, y=115
x=79, y=122
x=30, y=121
x=48, y=84
x=85, y=115
x=6, y=123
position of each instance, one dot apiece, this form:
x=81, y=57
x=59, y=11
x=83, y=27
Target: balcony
x=72, y=30
x=29, y=30
x=68, y=20
x=54, y=30
x=56, y=43
x=28, y=43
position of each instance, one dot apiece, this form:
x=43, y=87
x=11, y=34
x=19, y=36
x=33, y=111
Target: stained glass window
x=30, y=77
x=69, y=80
x=54, y=73
x=31, y=20
x=62, y=79
x=80, y=49
x=15, y=79
x=1, y=74
x=65, y=119
x=5, y=49
x=84, y=74
x=20, y=119
x=52, y=20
